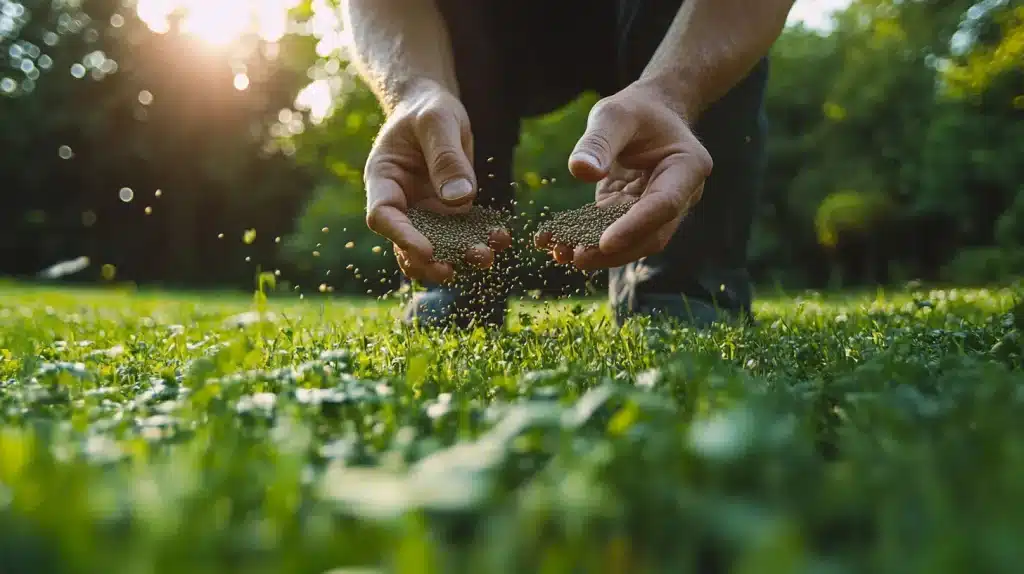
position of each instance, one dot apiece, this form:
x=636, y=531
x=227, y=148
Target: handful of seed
x=452, y=235
x=585, y=225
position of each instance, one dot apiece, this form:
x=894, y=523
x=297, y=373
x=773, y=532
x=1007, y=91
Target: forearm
x=397, y=46
x=710, y=47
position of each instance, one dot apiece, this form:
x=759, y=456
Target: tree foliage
x=893, y=153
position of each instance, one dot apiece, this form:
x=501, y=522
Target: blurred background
x=195, y=143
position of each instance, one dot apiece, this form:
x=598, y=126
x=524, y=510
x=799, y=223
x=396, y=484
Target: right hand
x=422, y=158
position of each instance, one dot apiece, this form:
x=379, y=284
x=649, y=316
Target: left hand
x=636, y=145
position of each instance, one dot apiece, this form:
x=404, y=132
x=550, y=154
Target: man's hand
x=636, y=145
x=422, y=158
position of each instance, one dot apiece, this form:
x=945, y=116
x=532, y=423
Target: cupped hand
x=637, y=146
x=422, y=158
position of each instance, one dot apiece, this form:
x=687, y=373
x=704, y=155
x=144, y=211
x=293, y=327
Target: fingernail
x=587, y=158
x=456, y=189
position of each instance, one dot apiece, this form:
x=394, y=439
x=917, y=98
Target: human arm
x=709, y=48
x=400, y=47
x=422, y=155
x=645, y=129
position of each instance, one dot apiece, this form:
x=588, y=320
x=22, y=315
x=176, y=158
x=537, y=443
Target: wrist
x=675, y=92
x=413, y=89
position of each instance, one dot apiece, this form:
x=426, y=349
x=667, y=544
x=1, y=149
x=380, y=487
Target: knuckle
x=445, y=160
x=611, y=108
x=704, y=162
x=597, y=141
x=373, y=218
x=431, y=116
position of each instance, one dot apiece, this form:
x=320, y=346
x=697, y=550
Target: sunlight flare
x=219, y=22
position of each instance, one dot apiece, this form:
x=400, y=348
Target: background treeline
x=896, y=151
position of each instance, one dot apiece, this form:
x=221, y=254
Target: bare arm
x=399, y=45
x=710, y=47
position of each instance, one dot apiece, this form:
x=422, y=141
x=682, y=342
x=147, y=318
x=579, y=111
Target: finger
x=562, y=253
x=594, y=258
x=446, y=141
x=670, y=192
x=499, y=239
x=610, y=126
x=479, y=255
x=542, y=239
x=385, y=216
x=423, y=270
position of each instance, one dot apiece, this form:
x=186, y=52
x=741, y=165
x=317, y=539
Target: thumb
x=447, y=146
x=609, y=128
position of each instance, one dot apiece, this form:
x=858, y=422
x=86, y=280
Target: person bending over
x=680, y=124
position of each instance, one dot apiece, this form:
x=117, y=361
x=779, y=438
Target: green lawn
x=153, y=433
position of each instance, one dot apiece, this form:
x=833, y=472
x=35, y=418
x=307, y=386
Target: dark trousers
x=520, y=58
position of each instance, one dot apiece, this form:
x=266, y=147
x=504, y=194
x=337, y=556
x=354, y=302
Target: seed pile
x=452, y=235
x=583, y=226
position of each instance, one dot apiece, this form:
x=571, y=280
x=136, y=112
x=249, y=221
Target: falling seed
x=158, y=193
x=325, y=230
x=277, y=272
x=490, y=159
x=377, y=249
x=277, y=240
x=220, y=236
x=248, y=259
x=544, y=181
x=349, y=266
x=350, y=245
x=316, y=254
x=148, y=210
x=249, y=236
x=323, y=287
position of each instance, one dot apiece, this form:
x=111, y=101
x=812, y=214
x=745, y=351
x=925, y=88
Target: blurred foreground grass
x=156, y=433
